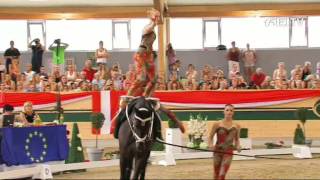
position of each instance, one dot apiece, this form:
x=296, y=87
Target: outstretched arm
x=173, y=117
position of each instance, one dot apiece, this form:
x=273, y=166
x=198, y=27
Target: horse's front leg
x=141, y=161
x=143, y=172
x=125, y=166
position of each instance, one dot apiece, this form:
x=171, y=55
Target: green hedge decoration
x=244, y=133
x=157, y=147
x=172, y=124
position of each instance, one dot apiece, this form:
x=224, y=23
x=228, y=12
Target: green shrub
x=244, y=133
x=172, y=124
x=157, y=147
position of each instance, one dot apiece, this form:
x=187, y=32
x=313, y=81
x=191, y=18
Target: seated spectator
x=130, y=77
x=306, y=70
x=65, y=88
x=22, y=78
x=267, y=83
x=14, y=69
x=19, y=86
x=63, y=82
x=238, y=82
x=56, y=75
x=115, y=72
x=218, y=80
x=309, y=80
x=233, y=71
x=95, y=87
x=71, y=73
x=97, y=81
x=52, y=84
x=205, y=83
x=296, y=82
x=109, y=85
x=82, y=77
x=8, y=83
x=282, y=84
x=85, y=86
x=31, y=88
x=280, y=74
x=28, y=115
x=190, y=83
x=161, y=84
x=43, y=72
x=174, y=83
x=176, y=69
x=296, y=71
x=36, y=81
x=2, y=87
x=103, y=71
x=258, y=78
x=191, y=72
x=29, y=73
x=89, y=72
x=207, y=70
x=316, y=84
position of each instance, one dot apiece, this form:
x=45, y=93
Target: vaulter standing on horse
x=146, y=78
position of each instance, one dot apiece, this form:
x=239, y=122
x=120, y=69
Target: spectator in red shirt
x=89, y=72
x=258, y=77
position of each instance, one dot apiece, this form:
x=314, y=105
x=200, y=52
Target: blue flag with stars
x=29, y=145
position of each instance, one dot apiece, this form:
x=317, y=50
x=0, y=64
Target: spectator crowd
x=105, y=76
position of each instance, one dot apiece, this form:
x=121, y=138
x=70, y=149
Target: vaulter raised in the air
x=146, y=77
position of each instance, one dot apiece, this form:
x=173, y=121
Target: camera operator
x=37, y=53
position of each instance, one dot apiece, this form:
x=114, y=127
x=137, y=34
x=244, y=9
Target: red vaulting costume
x=145, y=67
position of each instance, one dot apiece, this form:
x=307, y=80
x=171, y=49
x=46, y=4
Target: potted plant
x=301, y=147
x=301, y=115
x=97, y=120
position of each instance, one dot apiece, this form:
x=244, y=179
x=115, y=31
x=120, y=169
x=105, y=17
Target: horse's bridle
x=136, y=136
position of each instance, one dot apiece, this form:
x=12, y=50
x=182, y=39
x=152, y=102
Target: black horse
x=136, y=137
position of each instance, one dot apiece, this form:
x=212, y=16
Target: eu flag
x=29, y=145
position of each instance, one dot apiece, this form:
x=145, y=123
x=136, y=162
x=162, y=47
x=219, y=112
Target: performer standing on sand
x=227, y=140
x=146, y=78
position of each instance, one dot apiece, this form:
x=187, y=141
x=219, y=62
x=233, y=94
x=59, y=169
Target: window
x=186, y=33
x=36, y=30
x=313, y=31
x=121, y=35
x=298, y=32
x=15, y=30
x=259, y=32
x=80, y=34
x=211, y=33
x=137, y=26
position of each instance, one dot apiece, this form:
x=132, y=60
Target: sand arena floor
x=202, y=169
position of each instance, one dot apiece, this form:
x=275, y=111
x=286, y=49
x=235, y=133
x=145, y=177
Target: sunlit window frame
x=127, y=22
x=306, y=33
x=43, y=25
x=204, y=21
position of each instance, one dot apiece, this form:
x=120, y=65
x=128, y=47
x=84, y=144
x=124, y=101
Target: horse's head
x=141, y=120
